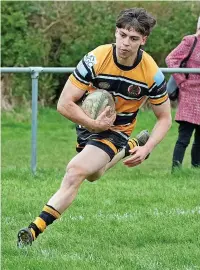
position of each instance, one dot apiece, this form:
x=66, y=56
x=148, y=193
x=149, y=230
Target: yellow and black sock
x=130, y=145
x=47, y=217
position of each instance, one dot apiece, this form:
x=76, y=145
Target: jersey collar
x=137, y=61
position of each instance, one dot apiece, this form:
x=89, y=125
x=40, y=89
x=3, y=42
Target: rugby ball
x=96, y=102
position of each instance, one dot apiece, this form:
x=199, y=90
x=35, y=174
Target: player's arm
x=163, y=123
x=161, y=107
x=68, y=108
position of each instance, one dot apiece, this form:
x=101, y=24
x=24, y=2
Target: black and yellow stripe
x=46, y=217
x=130, y=86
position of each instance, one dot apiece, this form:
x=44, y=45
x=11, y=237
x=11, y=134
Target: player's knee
x=75, y=175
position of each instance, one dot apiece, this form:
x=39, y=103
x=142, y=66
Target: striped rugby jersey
x=130, y=86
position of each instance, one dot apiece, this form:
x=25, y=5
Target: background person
x=188, y=111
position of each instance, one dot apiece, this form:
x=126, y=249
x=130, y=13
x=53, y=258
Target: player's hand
x=104, y=121
x=138, y=155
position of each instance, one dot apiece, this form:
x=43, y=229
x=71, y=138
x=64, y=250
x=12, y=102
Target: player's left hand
x=138, y=155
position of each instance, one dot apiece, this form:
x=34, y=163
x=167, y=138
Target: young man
x=131, y=76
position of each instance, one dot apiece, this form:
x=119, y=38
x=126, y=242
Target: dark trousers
x=185, y=133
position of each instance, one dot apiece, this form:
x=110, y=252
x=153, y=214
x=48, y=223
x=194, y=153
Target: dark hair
x=136, y=18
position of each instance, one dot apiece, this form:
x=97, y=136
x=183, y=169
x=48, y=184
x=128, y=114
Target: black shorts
x=109, y=141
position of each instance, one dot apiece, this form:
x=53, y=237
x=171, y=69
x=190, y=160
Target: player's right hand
x=104, y=121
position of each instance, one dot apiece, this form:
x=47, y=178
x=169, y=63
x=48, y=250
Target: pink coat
x=189, y=89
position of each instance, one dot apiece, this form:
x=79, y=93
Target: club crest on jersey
x=104, y=85
x=134, y=90
x=90, y=60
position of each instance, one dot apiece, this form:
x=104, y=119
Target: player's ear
x=144, y=40
x=116, y=31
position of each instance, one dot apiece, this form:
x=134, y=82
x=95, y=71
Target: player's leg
x=140, y=140
x=96, y=175
x=90, y=160
x=86, y=163
x=106, y=145
x=120, y=155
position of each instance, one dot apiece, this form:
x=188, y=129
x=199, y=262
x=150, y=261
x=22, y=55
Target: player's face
x=128, y=42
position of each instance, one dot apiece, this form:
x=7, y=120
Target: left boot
x=139, y=140
x=24, y=238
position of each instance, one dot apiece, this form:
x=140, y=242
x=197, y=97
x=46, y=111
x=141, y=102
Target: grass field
x=142, y=218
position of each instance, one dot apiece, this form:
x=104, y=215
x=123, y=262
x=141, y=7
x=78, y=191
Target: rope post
x=34, y=76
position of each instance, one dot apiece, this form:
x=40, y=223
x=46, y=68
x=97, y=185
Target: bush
x=60, y=33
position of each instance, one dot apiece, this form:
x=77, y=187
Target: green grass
x=139, y=219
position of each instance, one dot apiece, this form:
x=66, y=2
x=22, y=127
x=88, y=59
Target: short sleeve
x=84, y=73
x=157, y=91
